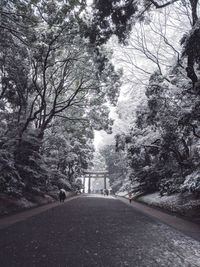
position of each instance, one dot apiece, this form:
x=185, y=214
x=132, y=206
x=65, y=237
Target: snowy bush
x=60, y=181
x=10, y=181
x=192, y=183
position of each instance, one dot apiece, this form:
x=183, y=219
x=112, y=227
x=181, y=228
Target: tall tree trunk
x=193, y=4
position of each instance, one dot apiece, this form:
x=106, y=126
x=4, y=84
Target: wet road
x=95, y=231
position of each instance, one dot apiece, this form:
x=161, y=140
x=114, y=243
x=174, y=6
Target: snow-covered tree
x=51, y=78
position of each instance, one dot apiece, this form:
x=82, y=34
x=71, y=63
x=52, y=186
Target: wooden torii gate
x=94, y=174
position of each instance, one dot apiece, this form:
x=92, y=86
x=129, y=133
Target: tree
x=51, y=76
x=110, y=17
x=116, y=17
x=160, y=148
x=121, y=22
x=153, y=45
x=116, y=166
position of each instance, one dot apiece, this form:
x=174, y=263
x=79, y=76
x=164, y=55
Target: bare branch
x=71, y=119
x=163, y=5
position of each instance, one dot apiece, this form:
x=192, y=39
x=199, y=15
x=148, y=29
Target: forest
x=157, y=132
x=63, y=67
x=55, y=87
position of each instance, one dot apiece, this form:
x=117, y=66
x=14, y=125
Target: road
x=94, y=231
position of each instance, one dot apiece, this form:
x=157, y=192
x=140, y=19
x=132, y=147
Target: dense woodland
x=160, y=150
x=59, y=80
x=55, y=87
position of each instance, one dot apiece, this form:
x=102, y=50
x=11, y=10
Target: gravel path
x=95, y=231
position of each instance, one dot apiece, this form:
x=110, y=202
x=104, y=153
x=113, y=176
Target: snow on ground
x=123, y=194
x=156, y=200
x=183, y=204
x=11, y=204
x=24, y=203
x=159, y=244
x=175, y=249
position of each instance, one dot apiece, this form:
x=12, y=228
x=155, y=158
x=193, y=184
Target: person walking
x=130, y=197
x=62, y=195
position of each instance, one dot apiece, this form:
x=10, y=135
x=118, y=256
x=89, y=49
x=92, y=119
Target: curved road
x=94, y=231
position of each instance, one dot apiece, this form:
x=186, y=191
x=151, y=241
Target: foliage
x=10, y=181
x=52, y=81
x=111, y=17
x=116, y=166
x=161, y=149
x=58, y=81
x=118, y=17
x=161, y=146
x=192, y=183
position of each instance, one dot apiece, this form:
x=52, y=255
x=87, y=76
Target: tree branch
x=163, y=5
x=71, y=119
x=194, y=130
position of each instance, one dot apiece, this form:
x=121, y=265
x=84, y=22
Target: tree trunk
x=193, y=4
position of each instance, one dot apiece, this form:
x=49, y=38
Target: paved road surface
x=95, y=231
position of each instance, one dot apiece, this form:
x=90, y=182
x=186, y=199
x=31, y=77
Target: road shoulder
x=188, y=228
x=21, y=216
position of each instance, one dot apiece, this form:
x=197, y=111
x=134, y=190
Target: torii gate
x=94, y=174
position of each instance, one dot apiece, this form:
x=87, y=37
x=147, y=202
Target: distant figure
x=105, y=192
x=62, y=195
x=130, y=197
x=78, y=192
x=101, y=191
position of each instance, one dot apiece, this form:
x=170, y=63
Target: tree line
x=57, y=77
x=160, y=152
x=54, y=90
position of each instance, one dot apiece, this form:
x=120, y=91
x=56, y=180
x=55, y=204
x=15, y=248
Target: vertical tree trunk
x=193, y=4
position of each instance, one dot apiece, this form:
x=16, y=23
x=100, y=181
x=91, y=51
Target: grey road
x=95, y=231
